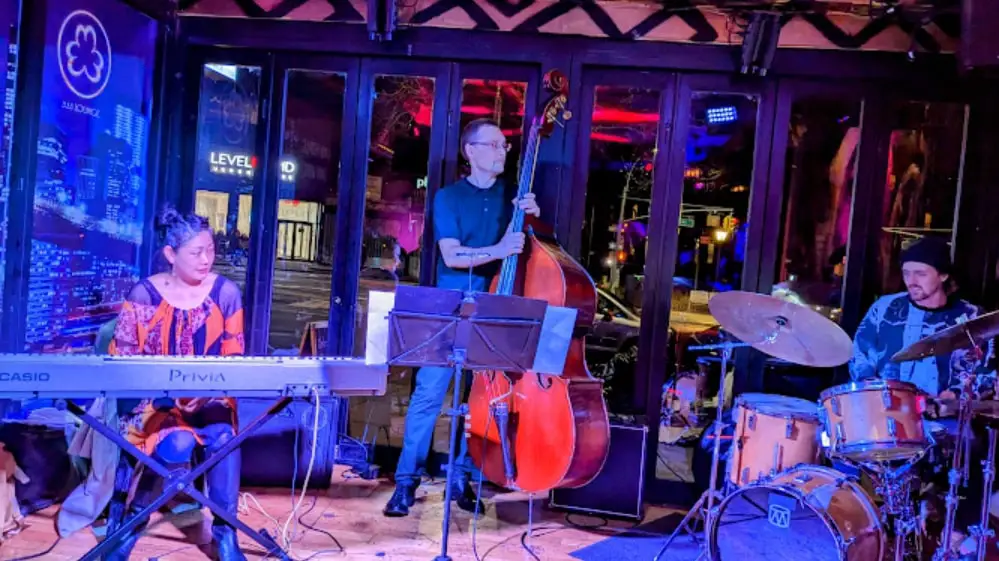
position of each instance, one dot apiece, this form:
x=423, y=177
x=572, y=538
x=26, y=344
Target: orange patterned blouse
x=149, y=325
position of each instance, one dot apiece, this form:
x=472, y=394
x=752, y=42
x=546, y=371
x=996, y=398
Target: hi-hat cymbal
x=960, y=336
x=784, y=330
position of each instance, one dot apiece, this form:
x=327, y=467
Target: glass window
x=91, y=172
x=818, y=191
x=395, y=201
x=226, y=162
x=623, y=138
x=711, y=241
x=307, y=192
x=503, y=102
x=717, y=177
x=920, y=195
x=396, y=188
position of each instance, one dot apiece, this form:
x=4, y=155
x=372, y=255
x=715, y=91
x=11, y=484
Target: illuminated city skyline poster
x=90, y=177
x=9, y=12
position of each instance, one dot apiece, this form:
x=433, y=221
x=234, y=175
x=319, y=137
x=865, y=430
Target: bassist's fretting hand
x=528, y=204
x=511, y=244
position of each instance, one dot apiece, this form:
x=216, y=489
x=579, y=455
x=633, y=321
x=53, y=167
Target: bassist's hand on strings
x=528, y=204
x=511, y=244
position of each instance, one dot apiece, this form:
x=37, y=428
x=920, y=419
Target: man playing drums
x=897, y=321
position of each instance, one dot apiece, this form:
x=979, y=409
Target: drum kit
x=779, y=502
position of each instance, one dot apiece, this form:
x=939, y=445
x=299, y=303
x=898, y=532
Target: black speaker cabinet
x=979, y=40
x=616, y=492
x=269, y=458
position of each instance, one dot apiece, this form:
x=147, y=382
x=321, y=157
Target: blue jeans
x=424, y=407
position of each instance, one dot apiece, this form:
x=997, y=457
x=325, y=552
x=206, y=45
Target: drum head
x=873, y=384
x=780, y=405
x=769, y=523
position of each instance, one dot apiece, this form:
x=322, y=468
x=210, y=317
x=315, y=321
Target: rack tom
x=772, y=433
x=875, y=420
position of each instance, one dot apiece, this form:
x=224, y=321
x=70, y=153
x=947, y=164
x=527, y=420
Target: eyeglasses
x=505, y=146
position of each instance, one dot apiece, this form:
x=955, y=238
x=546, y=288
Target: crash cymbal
x=960, y=336
x=783, y=330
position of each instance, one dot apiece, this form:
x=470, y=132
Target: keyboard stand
x=180, y=481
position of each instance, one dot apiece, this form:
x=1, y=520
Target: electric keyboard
x=89, y=376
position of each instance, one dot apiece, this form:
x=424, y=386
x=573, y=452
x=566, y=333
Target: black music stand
x=462, y=330
x=180, y=481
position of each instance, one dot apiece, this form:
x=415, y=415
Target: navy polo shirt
x=476, y=218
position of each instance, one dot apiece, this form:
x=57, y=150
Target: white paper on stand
x=377, y=337
x=553, y=345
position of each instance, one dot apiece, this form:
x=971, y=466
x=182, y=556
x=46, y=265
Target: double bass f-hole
x=545, y=382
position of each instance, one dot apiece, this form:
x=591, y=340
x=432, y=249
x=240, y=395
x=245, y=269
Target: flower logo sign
x=84, y=54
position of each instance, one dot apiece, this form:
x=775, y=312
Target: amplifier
x=617, y=490
x=269, y=458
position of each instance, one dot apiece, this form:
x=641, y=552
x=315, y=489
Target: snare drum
x=772, y=433
x=810, y=512
x=875, y=420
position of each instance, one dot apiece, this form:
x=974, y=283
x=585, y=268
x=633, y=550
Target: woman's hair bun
x=167, y=218
x=175, y=229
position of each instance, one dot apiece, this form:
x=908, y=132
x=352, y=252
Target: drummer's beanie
x=934, y=252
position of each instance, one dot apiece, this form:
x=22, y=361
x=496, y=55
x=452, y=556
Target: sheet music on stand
x=507, y=333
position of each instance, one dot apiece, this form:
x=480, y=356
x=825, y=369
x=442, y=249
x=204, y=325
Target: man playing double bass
x=471, y=220
x=895, y=322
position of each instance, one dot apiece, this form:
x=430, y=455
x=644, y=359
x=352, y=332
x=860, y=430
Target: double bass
x=535, y=432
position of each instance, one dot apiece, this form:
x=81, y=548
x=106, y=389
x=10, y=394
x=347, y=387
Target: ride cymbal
x=961, y=336
x=781, y=329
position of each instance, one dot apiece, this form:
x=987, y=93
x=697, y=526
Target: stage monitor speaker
x=616, y=491
x=268, y=456
x=979, y=37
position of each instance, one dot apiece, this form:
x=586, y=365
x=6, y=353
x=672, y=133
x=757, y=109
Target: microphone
x=472, y=254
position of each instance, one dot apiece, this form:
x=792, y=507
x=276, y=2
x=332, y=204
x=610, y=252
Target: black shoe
x=226, y=543
x=403, y=498
x=467, y=500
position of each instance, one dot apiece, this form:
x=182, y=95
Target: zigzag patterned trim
x=681, y=21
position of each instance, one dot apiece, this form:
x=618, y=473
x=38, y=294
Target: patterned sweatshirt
x=893, y=323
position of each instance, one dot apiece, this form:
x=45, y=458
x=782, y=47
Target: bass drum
x=810, y=512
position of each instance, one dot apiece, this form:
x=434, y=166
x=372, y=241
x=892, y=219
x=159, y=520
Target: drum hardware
x=783, y=330
x=705, y=504
x=982, y=532
x=960, y=467
x=894, y=484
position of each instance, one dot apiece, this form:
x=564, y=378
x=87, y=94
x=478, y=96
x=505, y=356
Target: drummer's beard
x=917, y=293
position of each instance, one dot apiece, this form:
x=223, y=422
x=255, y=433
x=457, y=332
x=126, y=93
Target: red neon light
x=623, y=117
x=604, y=137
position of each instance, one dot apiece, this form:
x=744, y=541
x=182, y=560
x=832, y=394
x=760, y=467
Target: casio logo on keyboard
x=197, y=377
x=24, y=376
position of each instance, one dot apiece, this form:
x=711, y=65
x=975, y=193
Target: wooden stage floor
x=351, y=512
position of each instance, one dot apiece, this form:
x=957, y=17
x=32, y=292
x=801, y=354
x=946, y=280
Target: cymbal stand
x=982, y=531
x=705, y=506
x=959, y=469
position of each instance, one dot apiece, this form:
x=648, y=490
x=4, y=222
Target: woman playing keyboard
x=187, y=310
